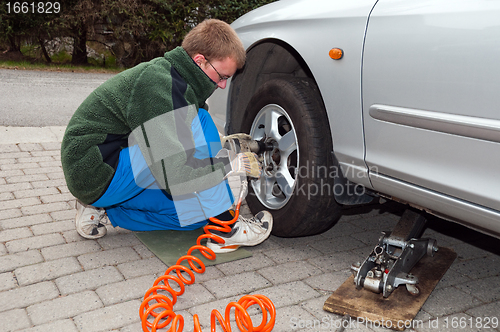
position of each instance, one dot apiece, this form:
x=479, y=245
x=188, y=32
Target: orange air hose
x=161, y=311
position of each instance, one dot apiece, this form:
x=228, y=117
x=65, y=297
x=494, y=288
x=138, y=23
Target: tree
x=133, y=30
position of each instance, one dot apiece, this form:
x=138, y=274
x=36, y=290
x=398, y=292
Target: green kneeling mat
x=169, y=246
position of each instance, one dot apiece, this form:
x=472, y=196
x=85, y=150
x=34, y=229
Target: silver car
x=361, y=99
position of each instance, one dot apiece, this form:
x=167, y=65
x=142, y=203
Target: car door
x=431, y=96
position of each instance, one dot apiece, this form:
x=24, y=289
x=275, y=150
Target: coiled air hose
x=160, y=302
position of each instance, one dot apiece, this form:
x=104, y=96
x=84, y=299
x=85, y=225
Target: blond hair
x=216, y=40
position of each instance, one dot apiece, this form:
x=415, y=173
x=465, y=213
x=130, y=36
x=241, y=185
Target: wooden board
x=400, y=307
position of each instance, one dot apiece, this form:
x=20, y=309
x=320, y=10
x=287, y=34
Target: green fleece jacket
x=128, y=103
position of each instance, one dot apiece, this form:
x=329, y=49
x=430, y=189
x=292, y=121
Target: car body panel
x=430, y=68
x=411, y=105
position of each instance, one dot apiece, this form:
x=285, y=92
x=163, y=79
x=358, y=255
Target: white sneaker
x=88, y=221
x=245, y=232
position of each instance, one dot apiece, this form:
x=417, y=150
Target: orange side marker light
x=336, y=53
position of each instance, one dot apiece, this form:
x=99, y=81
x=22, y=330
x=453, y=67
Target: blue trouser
x=135, y=202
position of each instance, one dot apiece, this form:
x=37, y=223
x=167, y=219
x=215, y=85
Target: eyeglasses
x=221, y=78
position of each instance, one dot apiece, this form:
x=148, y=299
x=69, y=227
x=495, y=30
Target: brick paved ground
x=53, y=280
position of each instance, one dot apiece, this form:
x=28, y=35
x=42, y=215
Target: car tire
x=297, y=185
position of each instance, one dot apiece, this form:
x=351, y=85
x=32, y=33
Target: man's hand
x=244, y=163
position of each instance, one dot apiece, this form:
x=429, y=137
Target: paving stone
x=452, y=278
x=130, y=289
x=466, y=251
x=119, y=240
x=47, y=271
x=6, y=196
x=52, y=146
x=293, y=253
x=56, y=176
x=54, y=163
x=53, y=227
x=108, y=257
x=88, y=280
x=143, y=251
x=340, y=229
x=63, y=189
x=369, y=238
x=14, y=320
x=12, y=172
x=446, y=301
x=44, y=170
x=17, y=221
x=3, y=250
x=238, y=284
x=30, y=147
x=45, y=208
x=35, y=242
x=292, y=271
x=108, y=318
x=336, y=262
x=7, y=281
x=491, y=310
x=293, y=319
x=329, y=246
x=34, y=159
x=487, y=289
x=15, y=233
x=479, y=268
x=7, y=161
x=377, y=223
x=314, y=306
x=13, y=261
x=73, y=236
x=287, y=242
x=69, y=214
x=70, y=249
x=289, y=293
x=27, y=178
x=19, y=166
x=46, y=199
x=22, y=297
x=14, y=155
x=64, y=307
x=65, y=325
x=35, y=192
x=142, y=267
x=327, y=283
x=194, y=295
x=8, y=215
x=7, y=148
x=255, y=262
x=18, y=203
x=52, y=152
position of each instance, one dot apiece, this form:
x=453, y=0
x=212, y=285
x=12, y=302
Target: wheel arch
x=267, y=59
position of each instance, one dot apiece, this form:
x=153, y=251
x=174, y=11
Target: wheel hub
x=272, y=159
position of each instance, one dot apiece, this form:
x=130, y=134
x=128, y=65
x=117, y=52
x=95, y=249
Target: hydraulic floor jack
x=389, y=264
x=372, y=294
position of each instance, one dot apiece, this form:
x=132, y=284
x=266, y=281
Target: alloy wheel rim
x=273, y=126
